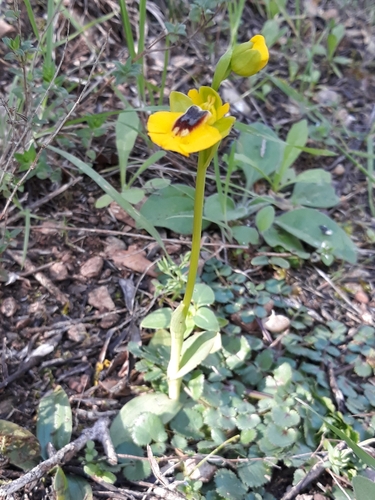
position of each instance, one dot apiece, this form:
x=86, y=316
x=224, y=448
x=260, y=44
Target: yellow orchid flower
x=195, y=123
x=250, y=57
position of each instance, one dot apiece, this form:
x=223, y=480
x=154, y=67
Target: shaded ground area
x=72, y=298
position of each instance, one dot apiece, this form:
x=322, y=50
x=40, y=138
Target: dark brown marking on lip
x=190, y=120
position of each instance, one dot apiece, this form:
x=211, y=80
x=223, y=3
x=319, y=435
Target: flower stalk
x=197, y=123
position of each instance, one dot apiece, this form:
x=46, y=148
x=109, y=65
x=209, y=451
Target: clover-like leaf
x=147, y=428
x=254, y=474
x=133, y=469
x=229, y=486
x=285, y=417
x=188, y=423
x=280, y=436
x=246, y=422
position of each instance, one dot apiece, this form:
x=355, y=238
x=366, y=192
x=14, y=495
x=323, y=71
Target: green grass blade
x=361, y=454
x=111, y=191
x=370, y=170
x=30, y=15
x=127, y=28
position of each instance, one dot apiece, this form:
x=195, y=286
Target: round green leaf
x=279, y=436
x=254, y=474
x=285, y=417
x=206, y=319
x=188, y=423
x=229, y=486
x=161, y=318
x=203, y=295
x=147, y=428
x=245, y=235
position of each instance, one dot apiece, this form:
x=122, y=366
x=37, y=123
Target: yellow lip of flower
x=199, y=126
x=184, y=133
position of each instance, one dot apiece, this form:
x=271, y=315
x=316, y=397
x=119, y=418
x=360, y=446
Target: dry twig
x=98, y=432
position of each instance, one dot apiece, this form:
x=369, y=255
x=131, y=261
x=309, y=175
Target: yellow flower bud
x=250, y=57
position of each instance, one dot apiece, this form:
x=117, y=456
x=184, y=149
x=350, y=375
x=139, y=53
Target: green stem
x=178, y=322
x=197, y=231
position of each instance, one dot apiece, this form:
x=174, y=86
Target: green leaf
x=103, y=201
x=306, y=224
x=172, y=208
x=78, y=488
x=364, y=489
x=254, y=474
x=196, y=385
x=194, y=350
x=315, y=176
x=276, y=236
x=127, y=126
x=264, y=218
x=188, y=423
x=134, y=470
x=203, y=295
x=220, y=209
x=229, y=486
x=60, y=485
x=362, y=369
x=18, y=445
x=133, y=195
x=247, y=436
x=147, y=428
x=247, y=422
x=222, y=69
x=54, y=420
x=361, y=454
x=161, y=318
x=279, y=262
x=206, y=319
x=280, y=436
x=261, y=260
x=259, y=152
x=284, y=416
x=296, y=139
x=108, y=189
x=161, y=405
x=245, y=235
x=319, y=195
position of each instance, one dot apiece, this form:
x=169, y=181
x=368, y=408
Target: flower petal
x=162, y=122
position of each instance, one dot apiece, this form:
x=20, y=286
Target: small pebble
x=101, y=299
x=339, y=169
x=9, y=307
x=92, y=267
x=58, y=271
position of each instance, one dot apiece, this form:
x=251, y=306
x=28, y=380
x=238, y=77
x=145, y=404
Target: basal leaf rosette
x=194, y=123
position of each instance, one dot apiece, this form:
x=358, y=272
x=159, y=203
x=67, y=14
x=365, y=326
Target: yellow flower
x=196, y=122
x=250, y=57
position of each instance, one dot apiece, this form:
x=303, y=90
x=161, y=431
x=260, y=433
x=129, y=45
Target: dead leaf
x=101, y=299
x=132, y=259
x=5, y=28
